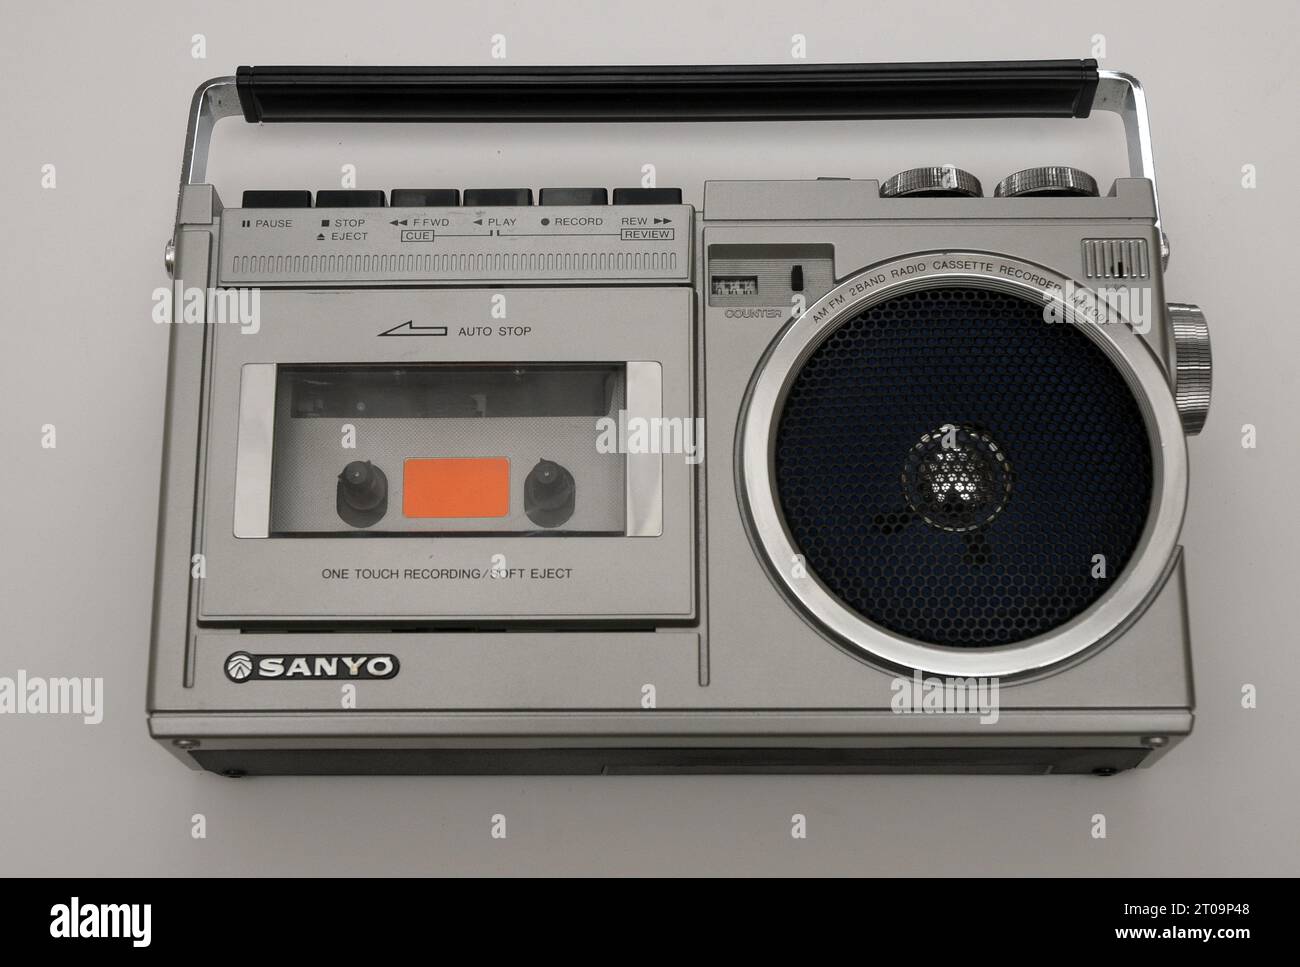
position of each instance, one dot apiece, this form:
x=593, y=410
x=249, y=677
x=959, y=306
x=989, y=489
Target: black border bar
x=292, y=920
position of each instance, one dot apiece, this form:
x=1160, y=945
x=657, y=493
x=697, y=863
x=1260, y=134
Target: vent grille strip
x=1116, y=258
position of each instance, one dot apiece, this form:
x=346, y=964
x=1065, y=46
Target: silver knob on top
x=1192, y=365
x=939, y=181
x=1046, y=180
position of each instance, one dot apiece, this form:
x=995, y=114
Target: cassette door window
x=478, y=471
x=457, y=449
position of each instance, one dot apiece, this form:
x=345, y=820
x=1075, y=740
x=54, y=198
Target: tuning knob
x=940, y=181
x=1046, y=180
x=1192, y=365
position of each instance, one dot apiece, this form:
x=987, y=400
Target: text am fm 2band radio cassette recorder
x=833, y=475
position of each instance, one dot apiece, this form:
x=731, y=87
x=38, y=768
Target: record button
x=574, y=196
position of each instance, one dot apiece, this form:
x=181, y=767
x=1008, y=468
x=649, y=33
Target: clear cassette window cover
x=445, y=449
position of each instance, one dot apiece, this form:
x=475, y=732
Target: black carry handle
x=1038, y=88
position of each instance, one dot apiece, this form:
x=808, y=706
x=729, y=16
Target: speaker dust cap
x=967, y=483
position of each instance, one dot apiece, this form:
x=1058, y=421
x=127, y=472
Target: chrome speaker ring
x=799, y=339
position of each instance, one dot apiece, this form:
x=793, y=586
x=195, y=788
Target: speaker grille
x=951, y=465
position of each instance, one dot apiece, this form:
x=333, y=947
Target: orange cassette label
x=456, y=487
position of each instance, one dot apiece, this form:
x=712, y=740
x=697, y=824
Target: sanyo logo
x=244, y=667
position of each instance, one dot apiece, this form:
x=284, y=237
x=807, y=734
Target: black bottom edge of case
x=660, y=761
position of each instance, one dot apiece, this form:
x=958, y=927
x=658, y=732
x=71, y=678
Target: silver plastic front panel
x=754, y=671
x=646, y=571
x=607, y=243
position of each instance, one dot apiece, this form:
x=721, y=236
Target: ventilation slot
x=1116, y=258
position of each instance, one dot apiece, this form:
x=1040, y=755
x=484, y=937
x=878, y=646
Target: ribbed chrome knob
x=938, y=181
x=1046, y=180
x=1192, y=364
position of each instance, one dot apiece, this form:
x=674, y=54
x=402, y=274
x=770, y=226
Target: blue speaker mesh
x=950, y=465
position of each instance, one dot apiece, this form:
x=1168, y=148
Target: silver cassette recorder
x=835, y=475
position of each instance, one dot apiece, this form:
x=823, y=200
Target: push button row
x=451, y=197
